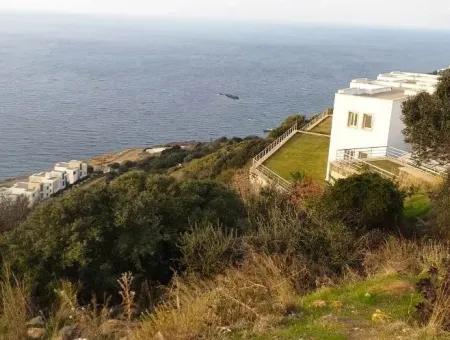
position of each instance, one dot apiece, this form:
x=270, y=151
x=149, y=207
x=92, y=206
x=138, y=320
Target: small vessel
x=268, y=130
x=228, y=95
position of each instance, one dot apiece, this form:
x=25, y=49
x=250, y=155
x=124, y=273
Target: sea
x=72, y=87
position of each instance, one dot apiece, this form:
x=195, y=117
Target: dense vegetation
x=177, y=247
x=427, y=120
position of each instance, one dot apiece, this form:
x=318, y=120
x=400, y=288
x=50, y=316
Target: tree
x=364, y=202
x=93, y=234
x=12, y=212
x=427, y=120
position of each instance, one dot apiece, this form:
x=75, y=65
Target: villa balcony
x=388, y=162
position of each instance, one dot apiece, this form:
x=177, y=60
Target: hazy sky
x=433, y=14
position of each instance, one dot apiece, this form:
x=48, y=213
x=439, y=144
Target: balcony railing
x=361, y=155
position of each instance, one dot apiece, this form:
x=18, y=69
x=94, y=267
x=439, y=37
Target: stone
x=380, y=316
x=35, y=332
x=37, y=321
x=69, y=332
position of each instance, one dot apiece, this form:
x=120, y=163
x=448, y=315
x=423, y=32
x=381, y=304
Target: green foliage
x=427, y=120
x=326, y=246
x=207, y=250
x=286, y=125
x=441, y=212
x=364, y=202
x=94, y=234
x=13, y=212
x=234, y=154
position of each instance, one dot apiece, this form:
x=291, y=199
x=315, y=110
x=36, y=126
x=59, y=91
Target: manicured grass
x=324, y=127
x=303, y=152
x=417, y=205
x=386, y=164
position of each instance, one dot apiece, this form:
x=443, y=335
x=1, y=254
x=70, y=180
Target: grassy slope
x=324, y=126
x=307, y=153
x=376, y=308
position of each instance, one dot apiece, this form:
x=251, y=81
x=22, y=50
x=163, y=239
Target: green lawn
x=324, y=127
x=386, y=164
x=304, y=153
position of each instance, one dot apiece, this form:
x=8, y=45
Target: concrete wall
x=396, y=137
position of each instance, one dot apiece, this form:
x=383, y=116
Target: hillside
x=179, y=246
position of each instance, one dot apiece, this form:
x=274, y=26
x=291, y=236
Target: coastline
x=101, y=161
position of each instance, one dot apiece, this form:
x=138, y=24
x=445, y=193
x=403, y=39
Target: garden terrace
x=304, y=152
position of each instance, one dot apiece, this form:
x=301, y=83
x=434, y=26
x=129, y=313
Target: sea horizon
x=71, y=88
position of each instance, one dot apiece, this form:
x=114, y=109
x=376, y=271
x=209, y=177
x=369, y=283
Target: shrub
x=440, y=212
x=286, y=125
x=207, y=250
x=93, y=234
x=365, y=202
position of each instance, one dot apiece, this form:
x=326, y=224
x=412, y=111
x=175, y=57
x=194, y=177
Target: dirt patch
x=397, y=288
x=118, y=157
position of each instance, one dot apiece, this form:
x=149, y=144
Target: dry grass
x=253, y=296
x=403, y=256
x=15, y=306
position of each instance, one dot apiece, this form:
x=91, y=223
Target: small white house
x=367, y=115
x=75, y=170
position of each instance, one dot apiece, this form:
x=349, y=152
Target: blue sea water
x=72, y=87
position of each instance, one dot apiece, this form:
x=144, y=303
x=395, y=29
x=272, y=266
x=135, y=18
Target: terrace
x=388, y=162
x=305, y=153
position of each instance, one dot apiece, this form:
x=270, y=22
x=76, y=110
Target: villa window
x=352, y=120
x=367, y=121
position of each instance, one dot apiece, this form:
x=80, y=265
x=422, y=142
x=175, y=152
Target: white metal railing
x=273, y=177
x=315, y=120
x=359, y=155
x=275, y=145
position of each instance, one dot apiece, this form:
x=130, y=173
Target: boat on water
x=228, y=95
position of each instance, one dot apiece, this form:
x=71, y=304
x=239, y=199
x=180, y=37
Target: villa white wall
x=344, y=137
x=396, y=137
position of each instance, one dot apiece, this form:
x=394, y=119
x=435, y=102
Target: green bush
x=92, y=235
x=364, y=202
x=440, y=212
x=286, y=125
x=207, y=250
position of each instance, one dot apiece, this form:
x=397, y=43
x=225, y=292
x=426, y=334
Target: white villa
x=364, y=131
x=42, y=185
x=367, y=124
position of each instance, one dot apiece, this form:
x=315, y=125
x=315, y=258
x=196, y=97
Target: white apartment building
x=75, y=170
x=368, y=114
x=21, y=189
x=48, y=183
